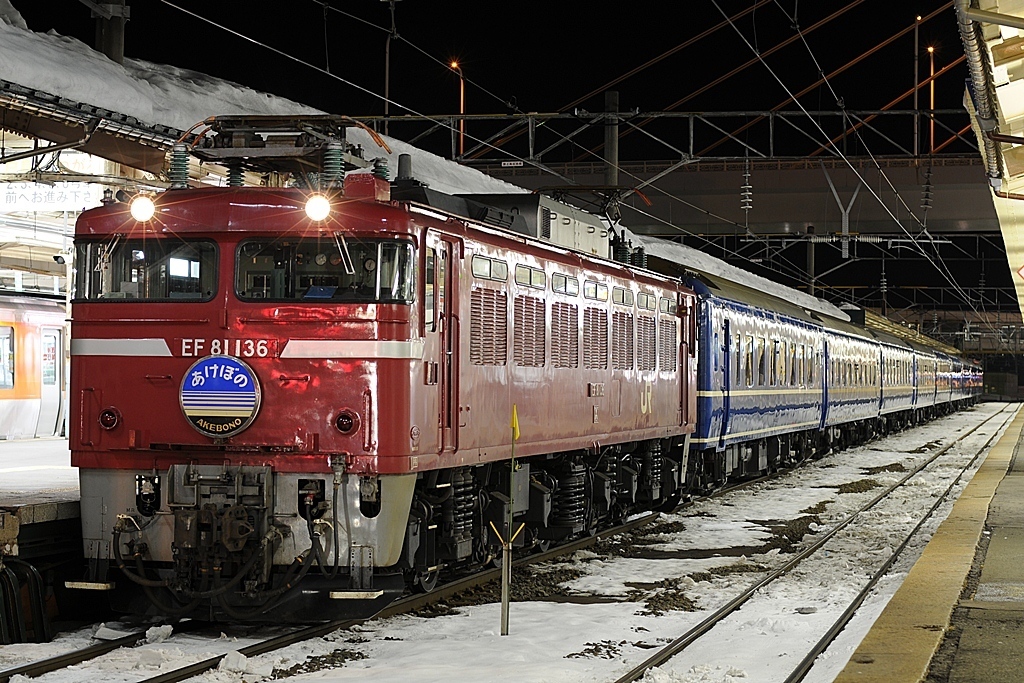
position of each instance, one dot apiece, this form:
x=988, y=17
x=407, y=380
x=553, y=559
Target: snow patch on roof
x=705, y=263
x=158, y=94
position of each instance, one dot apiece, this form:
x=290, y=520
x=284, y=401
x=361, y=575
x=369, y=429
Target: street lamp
x=462, y=107
x=931, y=104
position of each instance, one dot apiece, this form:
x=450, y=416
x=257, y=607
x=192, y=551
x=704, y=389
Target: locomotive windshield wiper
x=346, y=258
x=107, y=251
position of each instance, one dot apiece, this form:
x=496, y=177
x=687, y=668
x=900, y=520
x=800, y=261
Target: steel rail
x=403, y=605
x=400, y=606
x=42, y=666
x=413, y=602
x=807, y=663
x=687, y=639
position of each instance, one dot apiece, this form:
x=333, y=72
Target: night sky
x=536, y=56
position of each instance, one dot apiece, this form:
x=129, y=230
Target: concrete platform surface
x=36, y=471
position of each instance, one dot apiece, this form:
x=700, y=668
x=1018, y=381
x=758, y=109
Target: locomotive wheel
x=425, y=581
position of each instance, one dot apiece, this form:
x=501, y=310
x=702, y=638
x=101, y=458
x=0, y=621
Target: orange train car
x=32, y=376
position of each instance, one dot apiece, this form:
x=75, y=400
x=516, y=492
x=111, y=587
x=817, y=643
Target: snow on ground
x=601, y=638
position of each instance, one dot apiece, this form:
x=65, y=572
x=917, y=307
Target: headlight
x=318, y=207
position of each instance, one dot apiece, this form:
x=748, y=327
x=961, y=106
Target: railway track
x=403, y=605
x=672, y=649
x=412, y=603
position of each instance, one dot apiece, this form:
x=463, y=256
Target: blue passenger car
x=777, y=383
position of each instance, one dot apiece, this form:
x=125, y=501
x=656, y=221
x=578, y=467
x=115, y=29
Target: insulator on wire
x=178, y=171
x=235, y=174
x=926, y=193
x=332, y=165
x=746, y=191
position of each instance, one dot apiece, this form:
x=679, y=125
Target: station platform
x=959, y=615
x=39, y=498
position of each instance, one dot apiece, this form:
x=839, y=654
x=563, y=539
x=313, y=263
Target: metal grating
x=565, y=335
x=622, y=341
x=669, y=345
x=646, y=343
x=595, y=339
x=488, y=327
x=529, y=332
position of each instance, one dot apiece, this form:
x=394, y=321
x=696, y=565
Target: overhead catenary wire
x=442, y=123
x=351, y=84
x=439, y=122
x=837, y=152
x=939, y=264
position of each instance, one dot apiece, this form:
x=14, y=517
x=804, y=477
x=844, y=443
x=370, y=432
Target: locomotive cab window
x=313, y=270
x=163, y=268
x=6, y=357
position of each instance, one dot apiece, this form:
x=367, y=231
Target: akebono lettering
x=218, y=428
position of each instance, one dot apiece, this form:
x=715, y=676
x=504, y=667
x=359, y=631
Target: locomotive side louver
x=488, y=327
x=646, y=341
x=669, y=345
x=595, y=339
x=565, y=335
x=530, y=332
x=622, y=341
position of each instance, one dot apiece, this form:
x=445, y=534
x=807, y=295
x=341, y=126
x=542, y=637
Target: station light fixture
x=142, y=208
x=318, y=207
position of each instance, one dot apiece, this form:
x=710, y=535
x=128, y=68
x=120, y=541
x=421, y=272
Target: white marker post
x=506, y=545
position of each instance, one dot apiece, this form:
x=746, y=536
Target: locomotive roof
x=233, y=209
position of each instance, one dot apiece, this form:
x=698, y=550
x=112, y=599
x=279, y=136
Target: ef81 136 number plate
x=239, y=348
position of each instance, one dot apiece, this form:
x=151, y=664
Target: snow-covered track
x=401, y=606
x=67, y=659
x=666, y=653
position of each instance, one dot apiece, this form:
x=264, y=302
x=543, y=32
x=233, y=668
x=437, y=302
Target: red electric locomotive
x=292, y=405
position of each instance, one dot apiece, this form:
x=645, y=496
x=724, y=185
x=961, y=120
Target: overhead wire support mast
x=839, y=153
x=940, y=265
